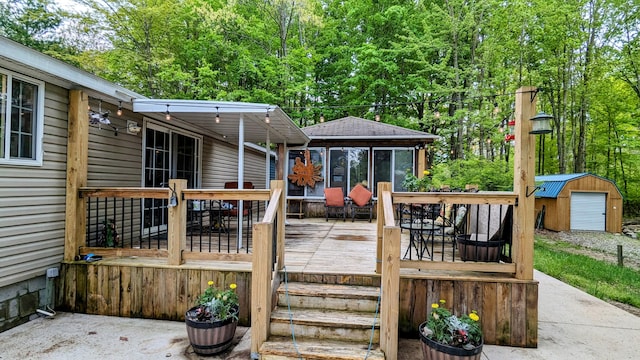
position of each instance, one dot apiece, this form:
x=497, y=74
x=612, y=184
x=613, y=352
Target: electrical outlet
x=52, y=272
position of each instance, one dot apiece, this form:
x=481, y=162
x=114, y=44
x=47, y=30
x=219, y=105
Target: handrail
x=272, y=210
x=481, y=198
x=126, y=193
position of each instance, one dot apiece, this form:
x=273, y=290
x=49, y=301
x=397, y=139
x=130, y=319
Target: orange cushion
x=334, y=196
x=360, y=195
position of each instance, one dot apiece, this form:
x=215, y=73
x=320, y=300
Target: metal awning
x=233, y=117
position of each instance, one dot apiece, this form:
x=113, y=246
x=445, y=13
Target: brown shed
x=579, y=202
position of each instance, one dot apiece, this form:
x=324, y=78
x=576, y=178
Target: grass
x=598, y=278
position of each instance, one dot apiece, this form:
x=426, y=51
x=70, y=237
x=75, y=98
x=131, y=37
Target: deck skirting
x=508, y=307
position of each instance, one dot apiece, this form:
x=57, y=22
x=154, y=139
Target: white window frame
x=39, y=121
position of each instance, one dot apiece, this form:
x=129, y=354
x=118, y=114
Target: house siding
x=32, y=214
x=217, y=155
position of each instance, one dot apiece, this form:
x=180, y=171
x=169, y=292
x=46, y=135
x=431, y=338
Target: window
x=391, y=165
x=21, y=120
x=348, y=167
x=317, y=158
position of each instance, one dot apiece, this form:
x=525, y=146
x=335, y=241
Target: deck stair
x=330, y=322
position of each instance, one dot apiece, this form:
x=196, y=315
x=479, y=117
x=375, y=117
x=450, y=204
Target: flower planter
x=472, y=250
x=208, y=338
x=433, y=350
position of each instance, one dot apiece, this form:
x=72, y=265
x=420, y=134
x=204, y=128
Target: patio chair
x=490, y=229
x=334, y=202
x=360, y=202
x=230, y=207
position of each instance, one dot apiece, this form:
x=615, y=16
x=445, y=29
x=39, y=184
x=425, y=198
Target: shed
x=579, y=202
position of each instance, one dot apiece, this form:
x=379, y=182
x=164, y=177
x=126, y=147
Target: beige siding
x=33, y=201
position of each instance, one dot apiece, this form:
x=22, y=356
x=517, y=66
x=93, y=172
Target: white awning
x=202, y=113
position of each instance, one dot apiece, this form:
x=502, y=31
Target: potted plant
x=211, y=324
x=445, y=336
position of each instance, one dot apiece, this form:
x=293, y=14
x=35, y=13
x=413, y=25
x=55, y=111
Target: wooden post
x=382, y=186
x=77, y=158
x=279, y=184
x=177, y=227
x=390, y=301
x=260, y=285
x=524, y=183
x=422, y=163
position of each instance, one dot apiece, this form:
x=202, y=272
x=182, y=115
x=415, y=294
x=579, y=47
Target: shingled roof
x=354, y=128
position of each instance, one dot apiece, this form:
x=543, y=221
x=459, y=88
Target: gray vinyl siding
x=220, y=164
x=32, y=205
x=115, y=160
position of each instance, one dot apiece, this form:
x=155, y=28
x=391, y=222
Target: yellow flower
x=210, y=283
x=233, y=286
x=443, y=301
x=435, y=306
x=426, y=173
x=473, y=316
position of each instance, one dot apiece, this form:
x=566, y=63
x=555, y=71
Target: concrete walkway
x=572, y=325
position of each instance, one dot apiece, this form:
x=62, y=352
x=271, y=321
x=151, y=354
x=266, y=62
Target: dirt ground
x=603, y=247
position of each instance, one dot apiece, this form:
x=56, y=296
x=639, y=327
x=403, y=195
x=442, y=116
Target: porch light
x=217, y=116
x=167, y=115
x=173, y=200
x=541, y=123
x=119, y=112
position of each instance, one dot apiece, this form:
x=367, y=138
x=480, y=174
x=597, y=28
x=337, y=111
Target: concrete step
x=283, y=348
x=328, y=296
x=325, y=324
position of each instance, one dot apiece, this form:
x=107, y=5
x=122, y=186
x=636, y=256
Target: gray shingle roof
x=357, y=128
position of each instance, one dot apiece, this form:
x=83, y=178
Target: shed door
x=588, y=211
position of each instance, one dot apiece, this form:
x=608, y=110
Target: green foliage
x=444, y=327
x=488, y=175
x=216, y=305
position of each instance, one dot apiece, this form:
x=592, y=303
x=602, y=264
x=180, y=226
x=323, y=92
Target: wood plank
x=227, y=194
x=123, y=252
x=212, y=256
x=518, y=315
x=260, y=284
x=193, y=287
x=69, y=287
x=389, y=305
x=177, y=227
x=125, y=193
x=171, y=294
x=136, y=292
x=503, y=312
x=459, y=266
x=182, y=293
x=484, y=197
x=531, y=320
x=125, y=291
x=81, y=288
x=114, y=290
x=488, y=313
x=102, y=294
x=92, y=289
x=159, y=290
x=148, y=293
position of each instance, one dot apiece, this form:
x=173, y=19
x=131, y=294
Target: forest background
x=447, y=67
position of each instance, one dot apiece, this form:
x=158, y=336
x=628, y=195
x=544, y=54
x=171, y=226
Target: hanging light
x=436, y=114
x=167, y=115
x=217, y=116
x=541, y=123
x=266, y=117
x=173, y=200
x=377, y=116
x=321, y=117
x=119, y=112
x=496, y=109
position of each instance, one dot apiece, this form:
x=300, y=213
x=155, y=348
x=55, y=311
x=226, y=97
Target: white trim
x=39, y=121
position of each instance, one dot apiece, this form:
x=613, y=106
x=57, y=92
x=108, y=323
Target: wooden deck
x=316, y=251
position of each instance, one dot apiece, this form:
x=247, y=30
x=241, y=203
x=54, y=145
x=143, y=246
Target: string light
x=377, y=116
x=217, y=116
x=119, y=112
x=266, y=117
x=321, y=118
x=167, y=115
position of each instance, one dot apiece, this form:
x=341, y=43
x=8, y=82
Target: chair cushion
x=334, y=196
x=360, y=195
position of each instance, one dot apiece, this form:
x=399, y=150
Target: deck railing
x=392, y=218
x=141, y=222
